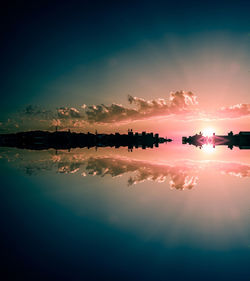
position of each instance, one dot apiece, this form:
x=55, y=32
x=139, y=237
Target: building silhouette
x=241, y=140
x=39, y=140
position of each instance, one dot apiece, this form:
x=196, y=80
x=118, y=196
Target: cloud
x=112, y=113
x=34, y=117
x=181, y=104
x=32, y=110
x=66, y=112
x=234, y=111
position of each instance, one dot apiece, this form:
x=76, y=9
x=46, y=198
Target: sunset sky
x=67, y=64
x=91, y=207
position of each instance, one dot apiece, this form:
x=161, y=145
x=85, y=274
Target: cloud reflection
x=180, y=175
x=143, y=171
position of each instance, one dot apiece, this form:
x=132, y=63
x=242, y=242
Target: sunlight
x=208, y=132
x=208, y=148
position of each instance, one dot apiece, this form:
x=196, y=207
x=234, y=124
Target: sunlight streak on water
x=208, y=148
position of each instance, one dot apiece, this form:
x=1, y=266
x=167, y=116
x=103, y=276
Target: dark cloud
x=32, y=110
x=179, y=103
x=34, y=117
x=66, y=113
x=112, y=113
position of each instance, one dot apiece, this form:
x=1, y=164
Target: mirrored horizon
x=179, y=166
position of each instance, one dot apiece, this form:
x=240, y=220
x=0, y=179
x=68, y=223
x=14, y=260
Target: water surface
x=172, y=213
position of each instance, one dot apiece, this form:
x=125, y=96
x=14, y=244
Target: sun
x=208, y=132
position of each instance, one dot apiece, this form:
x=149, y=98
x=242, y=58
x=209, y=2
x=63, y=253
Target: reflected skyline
x=153, y=194
x=178, y=173
x=240, y=140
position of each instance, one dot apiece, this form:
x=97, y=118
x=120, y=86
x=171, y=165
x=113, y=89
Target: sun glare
x=208, y=148
x=208, y=132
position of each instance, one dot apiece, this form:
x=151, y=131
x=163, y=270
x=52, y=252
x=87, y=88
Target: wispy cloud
x=234, y=111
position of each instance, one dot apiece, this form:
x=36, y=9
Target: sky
x=73, y=64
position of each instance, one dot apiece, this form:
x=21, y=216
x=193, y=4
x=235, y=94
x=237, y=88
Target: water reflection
x=180, y=173
x=162, y=205
x=208, y=148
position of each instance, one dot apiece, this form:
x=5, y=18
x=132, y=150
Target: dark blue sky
x=43, y=44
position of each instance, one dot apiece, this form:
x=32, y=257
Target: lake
x=170, y=213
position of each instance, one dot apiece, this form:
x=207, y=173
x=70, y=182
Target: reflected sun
x=208, y=148
x=208, y=132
